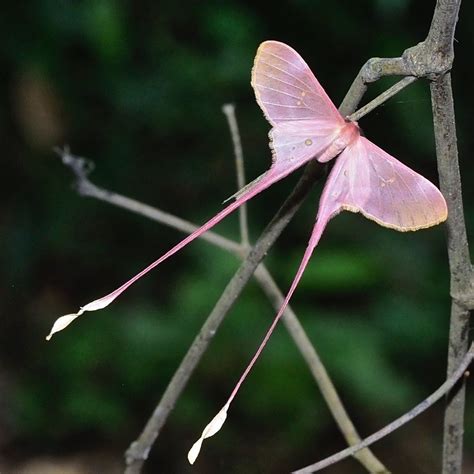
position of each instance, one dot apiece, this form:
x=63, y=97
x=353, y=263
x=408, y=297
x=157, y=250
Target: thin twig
x=86, y=188
x=380, y=99
x=229, y=111
x=395, y=425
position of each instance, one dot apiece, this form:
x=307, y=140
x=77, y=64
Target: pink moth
x=307, y=125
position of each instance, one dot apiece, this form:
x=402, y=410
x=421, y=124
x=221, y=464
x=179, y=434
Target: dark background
x=137, y=87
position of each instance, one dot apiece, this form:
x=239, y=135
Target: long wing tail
x=266, y=180
x=324, y=215
x=281, y=167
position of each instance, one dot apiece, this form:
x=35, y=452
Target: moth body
x=344, y=136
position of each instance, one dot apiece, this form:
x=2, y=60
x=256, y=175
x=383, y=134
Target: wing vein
x=308, y=88
x=278, y=91
x=284, y=105
x=411, y=194
x=282, y=81
x=379, y=197
x=302, y=68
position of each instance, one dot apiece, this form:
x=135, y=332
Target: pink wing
x=368, y=180
x=304, y=118
x=286, y=89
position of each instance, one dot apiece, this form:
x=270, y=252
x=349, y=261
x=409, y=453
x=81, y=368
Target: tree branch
x=420, y=408
x=81, y=168
x=379, y=100
x=431, y=58
x=459, y=264
x=229, y=112
x=443, y=26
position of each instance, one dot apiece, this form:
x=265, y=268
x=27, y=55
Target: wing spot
x=308, y=142
x=384, y=182
x=298, y=103
x=303, y=93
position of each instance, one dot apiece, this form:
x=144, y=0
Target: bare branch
x=430, y=58
x=460, y=266
x=86, y=188
x=441, y=39
x=443, y=26
x=229, y=111
x=383, y=97
x=450, y=184
x=413, y=413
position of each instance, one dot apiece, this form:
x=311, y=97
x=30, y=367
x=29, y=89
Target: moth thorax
x=342, y=139
x=347, y=134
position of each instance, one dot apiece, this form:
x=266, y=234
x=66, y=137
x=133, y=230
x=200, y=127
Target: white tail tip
x=210, y=430
x=100, y=303
x=62, y=322
x=194, y=451
x=65, y=321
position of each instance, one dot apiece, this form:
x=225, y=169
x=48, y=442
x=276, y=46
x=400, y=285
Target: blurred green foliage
x=137, y=87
